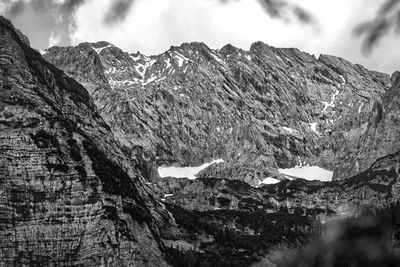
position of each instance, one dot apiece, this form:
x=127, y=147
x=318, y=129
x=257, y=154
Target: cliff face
x=381, y=135
x=68, y=193
x=258, y=110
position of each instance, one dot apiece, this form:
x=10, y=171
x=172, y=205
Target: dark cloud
x=58, y=15
x=387, y=18
x=118, y=11
x=16, y=8
x=71, y=5
x=61, y=14
x=60, y=20
x=282, y=9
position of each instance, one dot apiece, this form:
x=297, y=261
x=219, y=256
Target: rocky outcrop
x=68, y=193
x=258, y=110
x=373, y=188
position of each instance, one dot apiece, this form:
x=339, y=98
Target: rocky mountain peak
x=394, y=78
x=21, y=36
x=229, y=50
x=101, y=44
x=259, y=45
x=196, y=46
x=245, y=102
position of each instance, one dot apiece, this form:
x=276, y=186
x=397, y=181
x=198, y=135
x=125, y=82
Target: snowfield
x=269, y=180
x=309, y=173
x=185, y=172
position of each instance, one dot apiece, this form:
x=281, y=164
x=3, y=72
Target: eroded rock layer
x=68, y=195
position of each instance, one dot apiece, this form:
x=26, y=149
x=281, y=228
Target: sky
x=152, y=26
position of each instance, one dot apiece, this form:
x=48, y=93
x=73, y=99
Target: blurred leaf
x=387, y=19
x=282, y=9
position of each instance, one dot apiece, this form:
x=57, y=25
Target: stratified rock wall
x=381, y=135
x=68, y=195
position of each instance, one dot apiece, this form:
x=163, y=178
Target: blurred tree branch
x=283, y=9
x=386, y=19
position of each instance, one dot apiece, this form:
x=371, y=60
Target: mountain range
x=258, y=110
x=85, y=128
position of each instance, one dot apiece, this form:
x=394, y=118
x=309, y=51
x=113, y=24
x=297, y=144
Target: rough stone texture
x=255, y=109
x=380, y=135
x=68, y=193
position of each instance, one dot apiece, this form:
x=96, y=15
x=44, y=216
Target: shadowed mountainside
x=68, y=194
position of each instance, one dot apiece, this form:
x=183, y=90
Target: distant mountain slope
x=374, y=188
x=234, y=223
x=68, y=194
x=258, y=110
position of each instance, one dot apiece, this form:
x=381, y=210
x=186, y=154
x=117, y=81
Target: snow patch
x=269, y=180
x=151, y=79
x=332, y=103
x=360, y=107
x=98, y=50
x=135, y=58
x=216, y=58
x=185, y=172
x=181, y=59
x=111, y=70
x=343, y=80
x=290, y=130
x=278, y=57
x=309, y=173
x=142, y=68
x=124, y=82
x=313, y=127
x=168, y=62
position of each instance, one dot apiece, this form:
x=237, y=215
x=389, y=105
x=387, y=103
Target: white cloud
x=54, y=39
x=152, y=26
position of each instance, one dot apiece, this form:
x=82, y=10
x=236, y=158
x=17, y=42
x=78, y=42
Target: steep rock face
x=68, y=194
x=258, y=110
x=380, y=136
